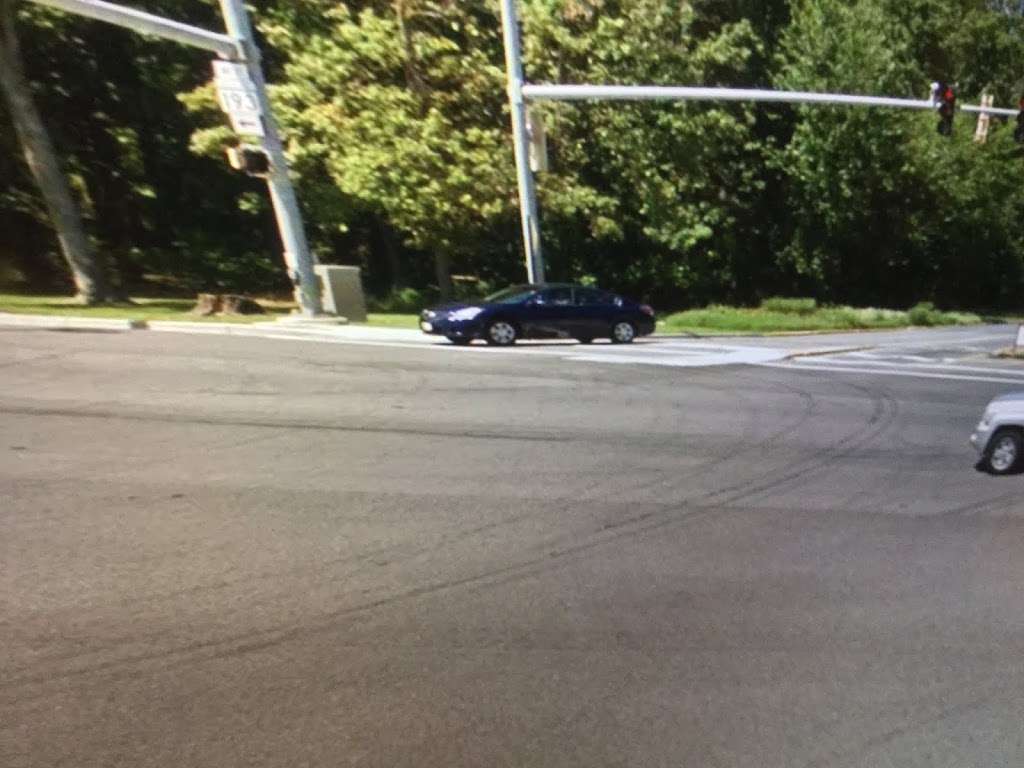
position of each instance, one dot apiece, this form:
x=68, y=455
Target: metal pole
x=149, y=24
x=286, y=206
x=983, y=110
x=527, y=193
x=690, y=93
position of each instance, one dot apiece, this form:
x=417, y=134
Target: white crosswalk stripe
x=680, y=354
x=970, y=365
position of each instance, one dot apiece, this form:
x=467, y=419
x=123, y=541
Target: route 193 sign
x=238, y=97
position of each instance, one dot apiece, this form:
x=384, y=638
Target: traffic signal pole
x=148, y=24
x=237, y=46
x=297, y=255
x=520, y=139
x=693, y=93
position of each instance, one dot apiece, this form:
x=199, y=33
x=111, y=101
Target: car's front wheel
x=1003, y=453
x=623, y=332
x=501, y=333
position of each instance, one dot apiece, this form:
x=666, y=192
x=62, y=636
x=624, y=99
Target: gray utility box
x=342, y=291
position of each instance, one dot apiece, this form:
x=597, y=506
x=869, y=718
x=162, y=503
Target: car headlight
x=465, y=314
x=986, y=419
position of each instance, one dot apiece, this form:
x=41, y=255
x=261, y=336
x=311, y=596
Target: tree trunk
x=389, y=244
x=443, y=271
x=43, y=163
x=413, y=78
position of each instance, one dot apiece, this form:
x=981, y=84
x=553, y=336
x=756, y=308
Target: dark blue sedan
x=541, y=312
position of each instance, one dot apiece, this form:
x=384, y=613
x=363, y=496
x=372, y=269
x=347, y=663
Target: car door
x=595, y=311
x=550, y=313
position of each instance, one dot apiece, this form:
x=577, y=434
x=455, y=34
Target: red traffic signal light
x=944, y=98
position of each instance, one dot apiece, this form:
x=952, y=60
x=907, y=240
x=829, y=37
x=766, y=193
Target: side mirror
x=535, y=301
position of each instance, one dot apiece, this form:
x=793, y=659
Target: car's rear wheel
x=623, y=332
x=1003, y=453
x=501, y=333
x=461, y=341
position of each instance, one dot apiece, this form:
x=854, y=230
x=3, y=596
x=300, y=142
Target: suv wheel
x=1003, y=452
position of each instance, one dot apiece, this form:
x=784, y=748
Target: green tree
x=878, y=204
x=401, y=106
x=43, y=164
x=161, y=216
x=669, y=182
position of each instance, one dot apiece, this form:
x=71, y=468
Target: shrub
x=924, y=313
x=789, y=306
x=471, y=289
x=402, y=300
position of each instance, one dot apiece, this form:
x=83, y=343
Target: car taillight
x=647, y=310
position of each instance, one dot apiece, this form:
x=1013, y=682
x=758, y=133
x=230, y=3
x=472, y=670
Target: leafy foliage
x=397, y=127
x=789, y=306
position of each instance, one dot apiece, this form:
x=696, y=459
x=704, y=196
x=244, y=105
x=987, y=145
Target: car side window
x=558, y=297
x=589, y=297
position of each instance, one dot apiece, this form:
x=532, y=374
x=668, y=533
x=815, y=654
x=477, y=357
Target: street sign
x=981, y=132
x=238, y=97
x=538, y=137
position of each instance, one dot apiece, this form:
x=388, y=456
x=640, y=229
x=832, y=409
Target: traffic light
x=1018, y=134
x=250, y=159
x=944, y=98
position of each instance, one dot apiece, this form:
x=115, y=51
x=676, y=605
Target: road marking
x=724, y=356
x=955, y=342
x=667, y=353
x=909, y=373
x=675, y=354
x=839, y=364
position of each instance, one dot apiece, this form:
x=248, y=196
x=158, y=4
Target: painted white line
x=880, y=372
x=954, y=341
x=653, y=352
x=745, y=356
x=650, y=353
x=841, y=364
x=334, y=339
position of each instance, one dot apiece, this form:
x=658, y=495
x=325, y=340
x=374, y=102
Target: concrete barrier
x=342, y=291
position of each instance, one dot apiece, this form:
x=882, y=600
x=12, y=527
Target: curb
x=269, y=328
x=58, y=323
x=822, y=352
x=1006, y=353
x=821, y=332
x=223, y=329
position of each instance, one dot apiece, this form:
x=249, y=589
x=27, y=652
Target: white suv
x=999, y=435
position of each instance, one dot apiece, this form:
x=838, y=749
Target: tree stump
x=240, y=305
x=226, y=304
x=207, y=304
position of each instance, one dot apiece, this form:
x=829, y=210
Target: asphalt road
x=253, y=552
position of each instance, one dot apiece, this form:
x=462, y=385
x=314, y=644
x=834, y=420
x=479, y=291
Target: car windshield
x=513, y=295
